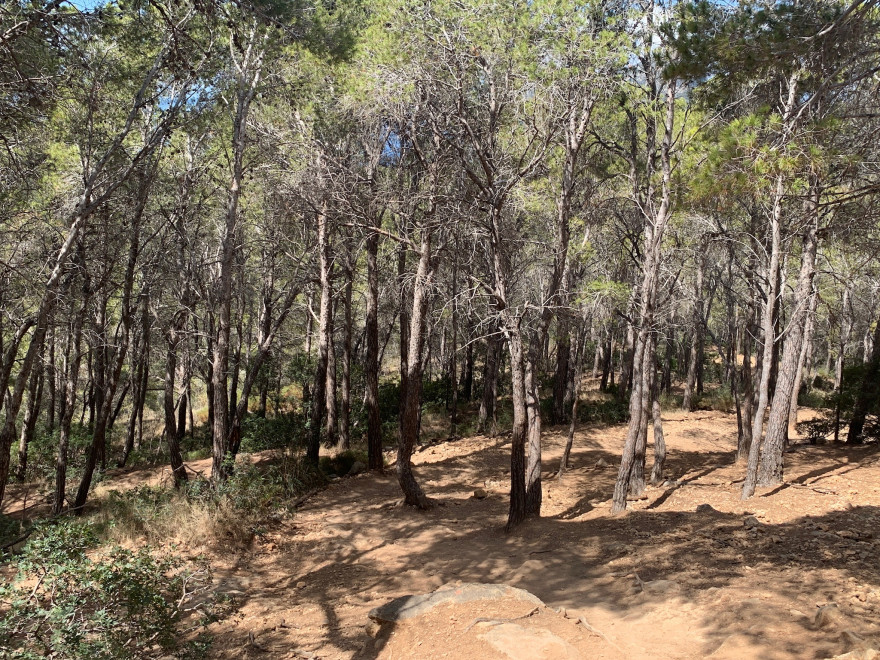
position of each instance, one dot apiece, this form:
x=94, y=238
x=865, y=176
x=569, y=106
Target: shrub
x=261, y=433
x=200, y=514
x=607, y=411
x=122, y=604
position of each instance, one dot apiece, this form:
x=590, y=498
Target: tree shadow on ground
x=718, y=576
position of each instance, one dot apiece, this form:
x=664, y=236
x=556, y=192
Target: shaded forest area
x=265, y=245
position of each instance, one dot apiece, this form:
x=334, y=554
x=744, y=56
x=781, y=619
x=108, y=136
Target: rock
x=480, y=493
x=751, y=522
x=853, y=641
x=738, y=645
x=300, y=585
x=660, y=586
x=860, y=654
x=409, y=607
x=602, y=463
x=356, y=468
x=828, y=616
x=706, y=508
x=520, y=643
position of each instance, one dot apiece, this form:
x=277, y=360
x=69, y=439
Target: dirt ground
x=791, y=573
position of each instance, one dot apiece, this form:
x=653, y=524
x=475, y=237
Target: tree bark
x=73, y=356
x=696, y=358
x=248, y=74
x=763, y=392
x=29, y=424
x=371, y=397
x=632, y=459
x=319, y=396
x=772, y=454
x=412, y=390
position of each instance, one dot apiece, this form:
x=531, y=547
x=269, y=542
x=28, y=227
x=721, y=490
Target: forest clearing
x=503, y=329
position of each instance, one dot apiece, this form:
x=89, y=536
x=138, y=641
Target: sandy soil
x=662, y=581
x=737, y=580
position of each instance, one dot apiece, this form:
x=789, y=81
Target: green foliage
x=10, y=529
x=261, y=433
x=232, y=512
x=68, y=602
x=43, y=449
x=720, y=399
x=605, y=411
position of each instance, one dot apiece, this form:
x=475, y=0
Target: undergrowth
x=71, y=599
x=199, y=514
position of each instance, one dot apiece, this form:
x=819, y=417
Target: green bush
x=120, y=604
x=608, y=411
x=202, y=514
x=261, y=433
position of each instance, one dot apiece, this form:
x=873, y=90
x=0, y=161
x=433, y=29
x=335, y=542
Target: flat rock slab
x=410, y=607
x=521, y=643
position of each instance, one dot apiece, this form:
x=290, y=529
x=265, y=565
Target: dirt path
x=731, y=580
x=663, y=581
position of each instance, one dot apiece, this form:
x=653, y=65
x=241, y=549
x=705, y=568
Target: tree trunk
x=29, y=424
x=845, y=332
x=806, y=347
x=763, y=392
x=453, y=354
x=659, y=441
x=73, y=355
x=772, y=452
x=371, y=397
x=486, y=420
x=534, y=494
x=411, y=394
x=517, y=511
x=345, y=400
x=247, y=81
x=172, y=437
x=868, y=392
x=632, y=459
x=319, y=395
x=696, y=357
x=575, y=400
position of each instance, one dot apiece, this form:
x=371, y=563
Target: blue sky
x=85, y=5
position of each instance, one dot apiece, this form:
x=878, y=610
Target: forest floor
x=733, y=579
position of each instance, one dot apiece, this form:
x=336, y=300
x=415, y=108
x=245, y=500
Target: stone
x=852, y=640
x=751, y=522
x=480, y=493
x=828, y=616
x=660, y=586
x=602, y=463
x=521, y=643
x=706, y=508
x=356, y=468
x=738, y=645
x=859, y=654
x=409, y=607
